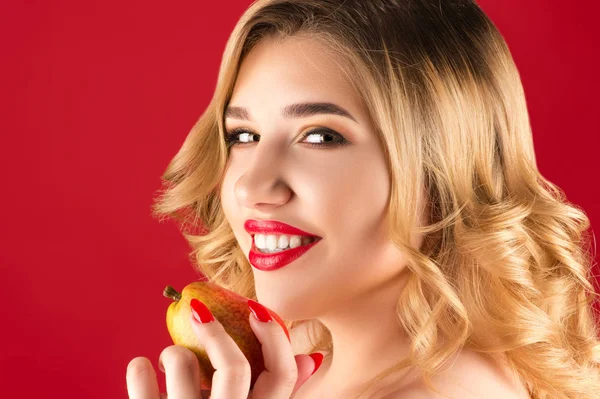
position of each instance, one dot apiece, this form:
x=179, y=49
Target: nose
x=262, y=185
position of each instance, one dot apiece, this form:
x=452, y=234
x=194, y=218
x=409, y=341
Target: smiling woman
x=397, y=134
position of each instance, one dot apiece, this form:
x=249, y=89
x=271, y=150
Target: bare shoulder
x=472, y=376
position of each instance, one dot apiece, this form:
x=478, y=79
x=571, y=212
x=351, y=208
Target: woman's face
x=339, y=193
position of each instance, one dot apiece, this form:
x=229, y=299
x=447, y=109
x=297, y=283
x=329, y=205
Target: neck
x=367, y=338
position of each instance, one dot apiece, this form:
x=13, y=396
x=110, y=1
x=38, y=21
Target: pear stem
x=170, y=292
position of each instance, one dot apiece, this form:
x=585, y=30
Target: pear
x=230, y=309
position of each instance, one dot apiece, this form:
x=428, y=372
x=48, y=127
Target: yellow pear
x=230, y=309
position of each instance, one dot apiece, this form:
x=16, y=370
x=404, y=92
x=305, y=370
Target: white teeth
x=276, y=243
x=271, y=243
x=283, y=242
x=295, y=241
x=259, y=241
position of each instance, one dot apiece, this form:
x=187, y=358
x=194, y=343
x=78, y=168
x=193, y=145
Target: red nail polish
x=318, y=358
x=259, y=311
x=201, y=312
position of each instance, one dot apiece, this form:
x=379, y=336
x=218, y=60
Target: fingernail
x=201, y=312
x=259, y=311
x=318, y=358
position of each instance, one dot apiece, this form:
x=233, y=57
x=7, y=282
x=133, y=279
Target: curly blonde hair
x=505, y=267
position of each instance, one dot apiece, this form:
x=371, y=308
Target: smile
x=282, y=257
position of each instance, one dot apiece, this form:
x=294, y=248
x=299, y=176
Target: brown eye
x=231, y=136
x=329, y=138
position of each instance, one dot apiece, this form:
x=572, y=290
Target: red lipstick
x=270, y=262
x=274, y=227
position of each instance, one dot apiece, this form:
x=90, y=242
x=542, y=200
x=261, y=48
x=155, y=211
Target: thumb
x=307, y=366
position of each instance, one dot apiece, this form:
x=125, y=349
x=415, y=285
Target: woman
x=430, y=258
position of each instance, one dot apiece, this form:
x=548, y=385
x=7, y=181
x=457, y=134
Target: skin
x=284, y=374
x=350, y=281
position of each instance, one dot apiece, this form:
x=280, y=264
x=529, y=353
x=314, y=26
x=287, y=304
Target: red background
x=96, y=99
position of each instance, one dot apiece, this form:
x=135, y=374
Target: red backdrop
x=96, y=99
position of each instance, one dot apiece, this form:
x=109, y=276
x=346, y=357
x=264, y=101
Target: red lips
x=253, y=226
x=270, y=262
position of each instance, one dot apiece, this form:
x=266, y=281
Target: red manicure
x=201, y=312
x=259, y=311
x=318, y=358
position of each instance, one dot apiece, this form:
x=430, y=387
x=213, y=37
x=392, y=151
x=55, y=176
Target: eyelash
x=339, y=140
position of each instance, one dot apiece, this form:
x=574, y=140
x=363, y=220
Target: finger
x=307, y=365
x=141, y=379
x=281, y=371
x=231, y=379
x=182, y=372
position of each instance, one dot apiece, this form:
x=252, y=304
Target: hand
x=284, y=373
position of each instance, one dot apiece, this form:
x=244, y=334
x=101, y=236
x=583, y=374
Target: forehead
x=292, y=70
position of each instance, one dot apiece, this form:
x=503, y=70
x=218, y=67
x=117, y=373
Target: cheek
x=359, y=197
x=227, y=195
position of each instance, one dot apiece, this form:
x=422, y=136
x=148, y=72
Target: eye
x=325, y=137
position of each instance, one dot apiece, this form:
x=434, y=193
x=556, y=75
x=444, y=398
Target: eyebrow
x=299, y=110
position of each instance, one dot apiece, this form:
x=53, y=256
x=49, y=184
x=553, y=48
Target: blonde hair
x=505, y=267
